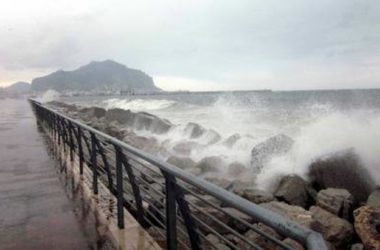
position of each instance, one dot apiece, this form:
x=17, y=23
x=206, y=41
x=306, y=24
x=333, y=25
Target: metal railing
x=181, y=210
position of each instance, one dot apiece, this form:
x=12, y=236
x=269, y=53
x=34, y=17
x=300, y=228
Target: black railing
x=182, y=209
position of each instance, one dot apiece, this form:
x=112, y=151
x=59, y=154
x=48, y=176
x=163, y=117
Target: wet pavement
x=35, y=211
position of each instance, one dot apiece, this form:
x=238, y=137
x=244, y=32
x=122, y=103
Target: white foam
x=138, y=104
x=49, y=96
x=337, y=131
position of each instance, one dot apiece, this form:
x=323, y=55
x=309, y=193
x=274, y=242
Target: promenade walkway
x=35, y=212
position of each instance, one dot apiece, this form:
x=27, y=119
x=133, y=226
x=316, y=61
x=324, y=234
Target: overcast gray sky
x=199, y=44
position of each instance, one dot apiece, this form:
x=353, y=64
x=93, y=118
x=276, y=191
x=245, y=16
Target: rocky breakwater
x=338, y=199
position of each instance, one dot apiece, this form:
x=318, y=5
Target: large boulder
x=337, y=201
x=231, y=140
x=194, y=130
x=276, y=145
x=120, y=115
x=374, y=198
x=293, y=213
x=93, y=112
x=236, y=169
x=186, y=147
x=337, y=231
x=146, y=121
x=342, y=170
x=258, y=239
x=367, y=226
x=293, y=190
x=181, y=162
x=210, y=164
x=253, y=194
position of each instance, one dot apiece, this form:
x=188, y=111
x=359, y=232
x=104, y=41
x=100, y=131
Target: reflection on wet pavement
x=35, y=212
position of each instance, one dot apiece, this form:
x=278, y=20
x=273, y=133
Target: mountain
x=18, y=88
x=104, y=75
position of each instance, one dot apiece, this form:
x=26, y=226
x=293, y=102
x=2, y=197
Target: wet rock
x=120, y=115
x=231, y=141
x=217, y=214
x=293, y=190
x=186, y=147
x=223, y=183
x=294, y=213
x=357, y=246
x=93, y=112
x=194, y=130
x=146, y=121
x=210, y=164
x=253, y=194
x=337, y=201
x=236, y=169
x=291, y=243
x=211, y=137
x=374, y=198
x=342, y=170
x=276, y=145
x=367, y=226
x=114, y=132
x=236, y=224
x=258, y=239
x=181, y=162
x=337, y=231
x=201, y=203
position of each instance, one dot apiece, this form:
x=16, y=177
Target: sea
x=320, y=122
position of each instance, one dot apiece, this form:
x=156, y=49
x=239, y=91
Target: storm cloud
x=199, y=45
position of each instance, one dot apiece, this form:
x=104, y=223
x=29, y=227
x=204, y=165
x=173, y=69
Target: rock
x=374, y=198
x=114, y=132
x=211, y=137
x=294, y=213
x=218, y=215
x=276, y=145
x=181, y=162
x=194, y=130
x=223, y=183
x=337, y=231
x=120, y=115
x=231, y=141
x=146, y=121
x=367, y=226
x=291, y=243
x=93, y=112
x=293, y=190
x=253, y=194
x=259, y=239
x=200, y=203
x=210, y=164
x=236, y=169
x=342, y=170
x=357, y=246
x=337, y=201
x=236, y=224
x=186, y=147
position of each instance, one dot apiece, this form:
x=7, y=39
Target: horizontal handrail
x=309, y=238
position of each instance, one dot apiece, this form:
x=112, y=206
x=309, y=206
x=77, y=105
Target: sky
x=198, y=44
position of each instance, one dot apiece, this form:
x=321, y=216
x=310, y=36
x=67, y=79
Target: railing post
x=80, y=148
x=119, y=188
x=94, y=164
x=70, y=128
x=171, y=213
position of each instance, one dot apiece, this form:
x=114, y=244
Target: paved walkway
x=35, y=212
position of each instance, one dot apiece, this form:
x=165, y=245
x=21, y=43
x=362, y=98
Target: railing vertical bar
x=119, y=188
x=79, y=139
x=171, y=212
x=94, y=164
